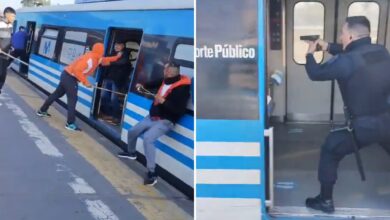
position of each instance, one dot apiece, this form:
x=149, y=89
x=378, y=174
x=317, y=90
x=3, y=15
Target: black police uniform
x=362, y=72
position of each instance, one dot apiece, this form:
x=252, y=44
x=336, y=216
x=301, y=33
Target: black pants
x=68, y=85
x=368, y=130
x=23, y=56
x=3, y=71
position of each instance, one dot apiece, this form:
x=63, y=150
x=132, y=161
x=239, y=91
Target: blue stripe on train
x=228, y=130
x=81, y=100
x=249, y=191
x=173, y=134
x=171, y=152
x=186, y=121
x=57, y=67
x=228, y=162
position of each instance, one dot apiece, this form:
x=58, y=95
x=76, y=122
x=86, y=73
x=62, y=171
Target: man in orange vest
x=77, y=71
x=168, y=107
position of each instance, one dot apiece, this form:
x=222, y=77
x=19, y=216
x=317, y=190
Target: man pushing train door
x=76, y=72
x=362, y=73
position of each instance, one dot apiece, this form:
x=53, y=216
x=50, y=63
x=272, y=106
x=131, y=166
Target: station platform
x=48, y=172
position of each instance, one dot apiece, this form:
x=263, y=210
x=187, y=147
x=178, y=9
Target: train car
x=260, y=121
x=154, y=32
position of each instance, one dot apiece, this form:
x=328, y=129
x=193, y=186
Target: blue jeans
x=110, y=101
x=151, y=130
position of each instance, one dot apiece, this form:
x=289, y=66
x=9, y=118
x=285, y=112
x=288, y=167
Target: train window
x=154, y=53
x=77, y=42
x=371, y=11
x=227, y=87
x=309, y=18
x=76, y=36
x=50, y=33
x=73, y=46
x=184, y=56
x=184, y=52
x=48, y=43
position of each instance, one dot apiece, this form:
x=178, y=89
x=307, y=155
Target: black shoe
x=150, y=179
x=43, y=114
x=131, y=156
x=318, y=203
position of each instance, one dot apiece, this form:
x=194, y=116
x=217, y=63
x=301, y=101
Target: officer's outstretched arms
x=312, y=46
x=321, y=45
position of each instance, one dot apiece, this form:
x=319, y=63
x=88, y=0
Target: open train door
x=293, y=161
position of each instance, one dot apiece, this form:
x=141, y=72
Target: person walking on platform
x=168, y=107
x=76, y=72
x=362, y=73
x=6, y=23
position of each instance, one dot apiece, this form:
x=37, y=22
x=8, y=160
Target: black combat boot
x=318, y=203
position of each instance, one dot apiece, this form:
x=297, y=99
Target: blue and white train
x=260, y=121
x=153, y=31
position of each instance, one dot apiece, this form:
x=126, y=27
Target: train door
x=307, y=100
x=297, y=145
x=114, y=80
x=30, y=29
x=24, y=55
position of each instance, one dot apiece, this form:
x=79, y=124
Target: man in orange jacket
x=77, y=71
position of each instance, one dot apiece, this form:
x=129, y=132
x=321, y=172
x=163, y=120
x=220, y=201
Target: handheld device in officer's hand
x=312, y=38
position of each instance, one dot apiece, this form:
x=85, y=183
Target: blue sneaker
x=72, y=127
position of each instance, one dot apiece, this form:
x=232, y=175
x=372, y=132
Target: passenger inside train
x=117, y=77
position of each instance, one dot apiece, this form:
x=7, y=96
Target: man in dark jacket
x=168, y=107
x=118, y=74
x=5, y=41
x=362, y=73
x=18, y=42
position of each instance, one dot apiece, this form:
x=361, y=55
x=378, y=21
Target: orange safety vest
x=184, y=80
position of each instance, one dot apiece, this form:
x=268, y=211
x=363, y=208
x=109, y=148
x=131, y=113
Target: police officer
x=361, y=70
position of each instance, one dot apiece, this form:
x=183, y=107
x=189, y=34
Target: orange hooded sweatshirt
x=86, y=64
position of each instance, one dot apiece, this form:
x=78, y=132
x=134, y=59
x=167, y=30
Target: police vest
x=367, y=90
